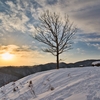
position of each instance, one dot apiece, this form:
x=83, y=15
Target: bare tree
x=55, y=32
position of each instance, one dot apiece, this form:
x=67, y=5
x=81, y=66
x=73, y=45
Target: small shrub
x=15, y=89
x=52, y=88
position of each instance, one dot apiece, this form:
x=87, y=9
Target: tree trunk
x=57, y=54
x=57, y=61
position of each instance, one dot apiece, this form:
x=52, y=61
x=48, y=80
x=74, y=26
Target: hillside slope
x=13, y=73
x=62, y=84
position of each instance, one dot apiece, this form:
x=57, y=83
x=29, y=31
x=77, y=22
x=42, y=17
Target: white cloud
x=16, y=18
x=76, y=9
x=80, y=51
x=82, y=13
x=89, y=39
x=31, y=28
x=96, y=45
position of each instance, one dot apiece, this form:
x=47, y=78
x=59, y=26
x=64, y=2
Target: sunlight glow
x=7, y=56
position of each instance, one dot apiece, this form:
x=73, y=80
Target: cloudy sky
x=17, y=21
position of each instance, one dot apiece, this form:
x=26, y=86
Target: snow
x=80, y=96
x=62, y=84
x=96, y=62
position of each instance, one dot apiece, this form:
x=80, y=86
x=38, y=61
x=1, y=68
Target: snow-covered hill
x=62, y=84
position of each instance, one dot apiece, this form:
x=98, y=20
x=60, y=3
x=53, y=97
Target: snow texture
x=62, y=84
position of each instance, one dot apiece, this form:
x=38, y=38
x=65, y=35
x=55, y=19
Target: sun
x=7, y=56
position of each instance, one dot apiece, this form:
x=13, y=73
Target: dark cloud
x=86, y=14
x=90, y=35
x=51, y=2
